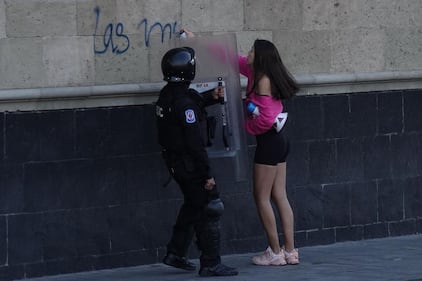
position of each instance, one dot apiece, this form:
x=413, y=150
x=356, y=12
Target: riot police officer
x=181, y=124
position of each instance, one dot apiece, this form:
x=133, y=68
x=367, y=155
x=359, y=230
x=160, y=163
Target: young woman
x=269, y=82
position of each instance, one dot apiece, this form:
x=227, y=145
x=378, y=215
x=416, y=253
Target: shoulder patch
x=190, y=116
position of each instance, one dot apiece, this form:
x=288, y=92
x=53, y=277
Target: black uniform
x=182, y=132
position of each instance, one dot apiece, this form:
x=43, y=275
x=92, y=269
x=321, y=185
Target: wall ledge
x=146, y=93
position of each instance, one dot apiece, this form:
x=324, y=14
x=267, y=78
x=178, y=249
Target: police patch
x=190, y=116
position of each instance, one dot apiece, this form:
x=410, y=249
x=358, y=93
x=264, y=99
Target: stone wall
x=82, y=188
x=87, y=42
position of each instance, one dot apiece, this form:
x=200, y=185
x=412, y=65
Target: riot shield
x=217, y=64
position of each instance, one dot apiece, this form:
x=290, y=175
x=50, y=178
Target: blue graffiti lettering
x=108, y=37
x=115, y=39
x=163, y=28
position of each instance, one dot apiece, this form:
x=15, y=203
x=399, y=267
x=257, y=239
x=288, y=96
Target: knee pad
x=214, y=208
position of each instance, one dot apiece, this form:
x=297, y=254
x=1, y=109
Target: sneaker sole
x=270, y=264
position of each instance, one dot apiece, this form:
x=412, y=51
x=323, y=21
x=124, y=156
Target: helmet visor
x=181, y=59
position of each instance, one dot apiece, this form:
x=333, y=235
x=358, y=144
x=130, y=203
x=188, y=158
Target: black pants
x=193, y=219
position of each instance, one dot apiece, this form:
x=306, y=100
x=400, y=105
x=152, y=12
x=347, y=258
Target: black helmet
x=178, y=65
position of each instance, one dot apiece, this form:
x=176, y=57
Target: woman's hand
x=187, y=32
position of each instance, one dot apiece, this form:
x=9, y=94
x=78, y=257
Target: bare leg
x=264, y=176
x=279, y=197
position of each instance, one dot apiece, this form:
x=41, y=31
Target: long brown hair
x=267, y=61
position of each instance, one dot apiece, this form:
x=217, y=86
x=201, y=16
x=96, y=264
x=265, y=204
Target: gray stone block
x=110, y=186
x=132, y=13
x=352, y=233
x=131, y=67
x=362, y=117
x=406, y=227
x=41, y=18
x=336, y=116
x=92, y=133
x=22, y=138
x=304, y=52
x=12, y=199
x=2, y=137
x=377, y=157
x=58, y=185
x=317, y=14
x=308, y=207
x=344, y=14
x=69, y=61
x=336, y=205
x=413, y=198
x=273, y=15
x=142, y=178
x=21, y=63
x=418, y=225
x=87, y=16
x=403, y=48
x=320, y=237
x=3, y=241
x=390, y=200
x=127, y=129
x=377, y=230
x=349, y=164
x=407, y=152
x=238, y=210
x=216, y=15
x=389, y=113
x=128, y=225
x=59, y=266
x=2, y=19
x=56, y=140
x=412, y=112
x=322, y=161
x=91, y=227
x=369, y=14
x=363, y=199
x=413, y=12
x=26, y=243
x=353, y=50
x=60, y=235
x=305, y=118
x=298, y=164
x=376, y=14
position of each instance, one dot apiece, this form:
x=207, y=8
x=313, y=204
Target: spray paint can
x=252, y=108
x=182, y=34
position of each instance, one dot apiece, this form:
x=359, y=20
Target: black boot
x=179, y=262
x=217, y=270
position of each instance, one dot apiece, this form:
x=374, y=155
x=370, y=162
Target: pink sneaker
x=269, y=258
x=292, y=257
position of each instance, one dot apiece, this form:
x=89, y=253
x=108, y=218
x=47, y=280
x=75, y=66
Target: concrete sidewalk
x=398, y=258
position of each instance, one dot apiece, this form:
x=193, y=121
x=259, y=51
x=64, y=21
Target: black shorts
x=272, y=148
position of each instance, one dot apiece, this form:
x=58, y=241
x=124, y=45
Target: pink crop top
x=269, y=107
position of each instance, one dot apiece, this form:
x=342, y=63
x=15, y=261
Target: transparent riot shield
x=217, y=64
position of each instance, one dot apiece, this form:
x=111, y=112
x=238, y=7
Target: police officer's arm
x=194, y=143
